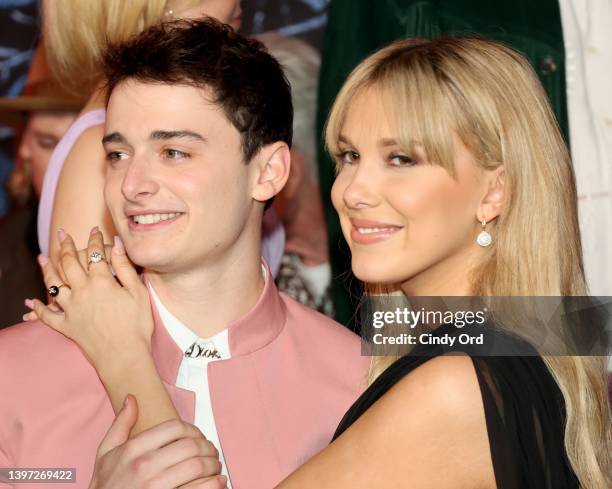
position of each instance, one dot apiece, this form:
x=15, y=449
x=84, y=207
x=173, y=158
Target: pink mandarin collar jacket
x=277, y=401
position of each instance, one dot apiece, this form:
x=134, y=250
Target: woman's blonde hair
x=492, y=99
x=77, y=33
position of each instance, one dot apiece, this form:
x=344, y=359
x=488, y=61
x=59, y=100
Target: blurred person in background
x=19, y=31
x=305, y=273
x=44, y=113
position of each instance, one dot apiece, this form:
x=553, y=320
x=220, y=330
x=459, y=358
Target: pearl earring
x=484, y=239
x=168, y=14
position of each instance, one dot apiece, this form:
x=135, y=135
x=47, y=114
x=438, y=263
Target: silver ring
x=95, y=257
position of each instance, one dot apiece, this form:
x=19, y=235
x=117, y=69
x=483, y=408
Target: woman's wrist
x=131, y=359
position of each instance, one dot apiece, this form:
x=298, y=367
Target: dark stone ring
x=54, y=290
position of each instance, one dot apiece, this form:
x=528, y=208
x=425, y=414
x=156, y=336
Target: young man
x=197, y=139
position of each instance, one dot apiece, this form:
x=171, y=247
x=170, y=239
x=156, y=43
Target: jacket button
x=548, y=65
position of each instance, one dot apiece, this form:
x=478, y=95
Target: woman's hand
x=166, y=456
x=110, y=319
x=99, y=312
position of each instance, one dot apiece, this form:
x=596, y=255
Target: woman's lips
x=370, y=232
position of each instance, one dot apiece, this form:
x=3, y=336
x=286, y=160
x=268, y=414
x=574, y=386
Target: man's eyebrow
x=114, y=137
x=163, y=135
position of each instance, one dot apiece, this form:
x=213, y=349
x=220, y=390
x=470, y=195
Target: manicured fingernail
x=61, y=235
x=94, y=229
x=29, y=303
x=26, y=317
x=42, y=260
x=119, y=248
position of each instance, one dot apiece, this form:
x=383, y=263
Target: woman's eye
x=113, y=156
x=401, y=160
x=175, y=154
x=347, y=157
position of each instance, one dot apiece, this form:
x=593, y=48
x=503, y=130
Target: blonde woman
x=75, y=40
x=435, y=140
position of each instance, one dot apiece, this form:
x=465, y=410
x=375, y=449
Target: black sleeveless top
x=524, y=409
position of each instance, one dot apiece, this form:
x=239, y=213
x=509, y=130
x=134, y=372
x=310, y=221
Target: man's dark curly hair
x=246, y=81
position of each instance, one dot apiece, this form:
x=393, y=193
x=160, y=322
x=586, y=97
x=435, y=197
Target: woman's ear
x=273, y=164
x=493, y=200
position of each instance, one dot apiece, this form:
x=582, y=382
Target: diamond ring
x=95, y=257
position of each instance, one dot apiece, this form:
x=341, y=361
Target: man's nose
x=139, y=180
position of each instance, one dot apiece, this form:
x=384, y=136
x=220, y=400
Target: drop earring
x=484, y=239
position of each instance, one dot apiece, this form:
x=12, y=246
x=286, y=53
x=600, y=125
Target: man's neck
x=207, y=300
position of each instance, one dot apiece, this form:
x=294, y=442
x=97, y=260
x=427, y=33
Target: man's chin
x=149, y=262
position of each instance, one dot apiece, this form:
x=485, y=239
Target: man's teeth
x=374, y=230
x=153, y=218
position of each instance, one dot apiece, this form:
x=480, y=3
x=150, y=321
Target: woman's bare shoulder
x=429, y=430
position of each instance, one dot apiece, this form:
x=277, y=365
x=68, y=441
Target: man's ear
x=296, y=175
x=493, y=200
x=274, y=163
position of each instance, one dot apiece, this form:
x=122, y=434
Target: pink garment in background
x=273, y=241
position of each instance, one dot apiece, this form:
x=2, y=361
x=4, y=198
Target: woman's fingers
x=58, y=290
x=69, y=261
x=84, y=257
x=97, y=263
x=46, y=315
x=123, y=267
x=32, y=316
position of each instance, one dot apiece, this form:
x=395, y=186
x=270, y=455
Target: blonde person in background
x=76, y=35
x=434, y=141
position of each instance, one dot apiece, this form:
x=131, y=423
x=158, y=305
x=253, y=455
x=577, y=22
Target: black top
x=524, y=410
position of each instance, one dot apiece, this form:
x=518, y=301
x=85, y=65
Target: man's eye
x=401, y=160
x=175, y=154
x=113, y=156
x=347, y=157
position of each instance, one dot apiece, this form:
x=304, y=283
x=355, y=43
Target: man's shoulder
x=314, y=328
x=308, y=320
x=33, y=346
x=28, y=333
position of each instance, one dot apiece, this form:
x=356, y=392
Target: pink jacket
x=277, y=401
